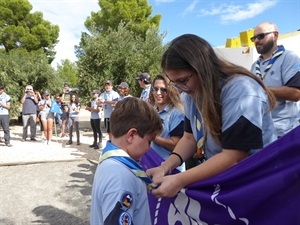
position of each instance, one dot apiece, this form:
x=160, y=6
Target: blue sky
x=214, y=20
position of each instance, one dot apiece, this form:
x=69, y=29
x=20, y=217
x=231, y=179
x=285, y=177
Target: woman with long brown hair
x=227, y=113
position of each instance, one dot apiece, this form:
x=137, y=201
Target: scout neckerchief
x=111, y=151
x=275, y=56
x=201, y=136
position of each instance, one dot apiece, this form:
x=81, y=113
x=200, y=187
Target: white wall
x=245, y=56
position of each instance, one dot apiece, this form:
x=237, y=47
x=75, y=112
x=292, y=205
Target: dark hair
x=76, y=98
x=134, y=113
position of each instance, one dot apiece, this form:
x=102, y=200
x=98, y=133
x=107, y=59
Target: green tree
x=120, y=55
x=136, y=14
x=68, y=72
x=20, y=68
x=21, y=29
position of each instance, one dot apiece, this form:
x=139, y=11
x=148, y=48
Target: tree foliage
x=21, y=29
x=67, y=71
x=120, y=55
x=20, y=68
x=136, y=14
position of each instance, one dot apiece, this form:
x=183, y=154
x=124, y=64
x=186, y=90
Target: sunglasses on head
x=162, y=90
x=260, y=36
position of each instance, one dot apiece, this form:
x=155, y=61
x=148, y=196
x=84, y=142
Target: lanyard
x=111, y=151
x=275, y=56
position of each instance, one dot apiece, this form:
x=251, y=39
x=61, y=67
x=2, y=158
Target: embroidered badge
x=125, y=219
x=126, y=200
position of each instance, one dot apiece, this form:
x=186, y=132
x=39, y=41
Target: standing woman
x=47, y=117
x=166, y=100
x=225, y=102
x=74, y=109
x=95, y=120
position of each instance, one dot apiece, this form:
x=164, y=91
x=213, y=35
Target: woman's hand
x=158, y=172
x=169, y=186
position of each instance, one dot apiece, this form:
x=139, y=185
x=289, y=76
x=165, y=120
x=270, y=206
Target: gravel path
x=42, y=184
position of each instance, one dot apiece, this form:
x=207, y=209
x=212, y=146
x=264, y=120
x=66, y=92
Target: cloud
x=233, y=13
x=69, y=15
x=190, y=8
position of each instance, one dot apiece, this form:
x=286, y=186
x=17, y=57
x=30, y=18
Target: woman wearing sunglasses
x=166, y=100
x=227, y=113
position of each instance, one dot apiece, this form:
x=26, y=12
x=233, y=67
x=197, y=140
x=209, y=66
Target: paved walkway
x=47, y=185
x=36, y=152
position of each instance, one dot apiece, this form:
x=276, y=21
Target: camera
x=74, y=89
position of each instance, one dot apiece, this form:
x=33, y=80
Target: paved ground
x=42, y=184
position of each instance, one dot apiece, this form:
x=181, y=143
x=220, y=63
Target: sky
x=213, y=20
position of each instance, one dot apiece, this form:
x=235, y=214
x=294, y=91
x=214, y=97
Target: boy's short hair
x=134, y=113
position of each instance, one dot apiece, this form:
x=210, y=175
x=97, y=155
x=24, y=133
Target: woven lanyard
x=111, y=151
x=201, y=135
x=275, y=56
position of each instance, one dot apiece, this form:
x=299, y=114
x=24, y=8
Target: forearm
x=167, y=143
x=286, y=93
x=213, y=166
x=185, y=147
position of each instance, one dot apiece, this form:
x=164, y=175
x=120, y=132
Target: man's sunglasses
x=261, y=36
x=162, y=90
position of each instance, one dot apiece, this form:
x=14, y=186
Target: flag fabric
x=55, y=107
x=263, y=189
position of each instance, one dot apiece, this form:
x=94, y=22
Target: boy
x=119, y=194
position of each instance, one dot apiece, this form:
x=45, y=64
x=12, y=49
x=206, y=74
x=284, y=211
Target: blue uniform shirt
x=285, y=71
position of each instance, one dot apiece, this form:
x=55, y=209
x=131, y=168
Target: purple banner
x=263, y=189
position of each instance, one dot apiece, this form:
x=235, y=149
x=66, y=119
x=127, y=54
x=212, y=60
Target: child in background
x=119, y=191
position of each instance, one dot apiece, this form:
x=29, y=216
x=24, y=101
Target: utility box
x=245, y=38
x=233, y=42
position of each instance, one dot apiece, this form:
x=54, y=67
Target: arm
x=171, y=185
x=169, y=144
x=185, y=148
x=286, y=93
x=6, y=106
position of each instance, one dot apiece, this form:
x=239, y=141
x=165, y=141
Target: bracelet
x=179, y=156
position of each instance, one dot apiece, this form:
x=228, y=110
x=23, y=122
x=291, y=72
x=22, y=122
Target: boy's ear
x=130, y=134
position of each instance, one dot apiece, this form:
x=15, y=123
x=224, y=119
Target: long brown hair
x=190, y=52
x=174, y=99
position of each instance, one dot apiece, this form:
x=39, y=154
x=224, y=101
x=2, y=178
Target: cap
x=96, y=92
x=123, y=84
x=1, y=86
x=108, y=82
x=144, y=77
x=46, y=92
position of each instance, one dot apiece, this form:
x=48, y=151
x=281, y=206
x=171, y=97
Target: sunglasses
x=162, y=90
x=261, y=36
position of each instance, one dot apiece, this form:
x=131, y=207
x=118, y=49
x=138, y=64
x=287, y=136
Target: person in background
x=144, y=80
x=124, y=91
x=38, y=114
x=73, y=110
x=64, y=108
x=5, y=103
x=166, y=100
x=279, y=69
x=95, y=120
x=220, y=117
x=29, y=113
x=107, y=100
x=119, y=192
x=47, y=117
